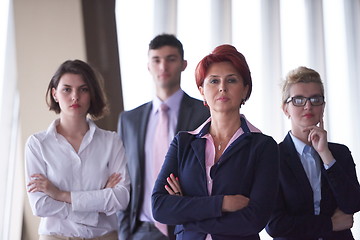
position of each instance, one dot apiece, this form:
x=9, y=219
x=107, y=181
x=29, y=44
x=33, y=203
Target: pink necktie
x=161, y=145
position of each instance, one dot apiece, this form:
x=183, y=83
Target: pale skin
x=165, y=64
x=223, y=90
x=307, y=124
x=73, y=96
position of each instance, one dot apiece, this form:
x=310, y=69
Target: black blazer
x=132, y=130
x=249, y=166
x=293, y=218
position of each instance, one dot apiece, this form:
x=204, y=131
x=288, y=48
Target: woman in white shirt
x=76, y=173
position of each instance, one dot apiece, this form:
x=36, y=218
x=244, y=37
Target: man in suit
x=137, y=131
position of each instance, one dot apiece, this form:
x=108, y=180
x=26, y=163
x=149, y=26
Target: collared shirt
x=173, y=102
x=210, y=151
x=84, y=174
x=310, y=161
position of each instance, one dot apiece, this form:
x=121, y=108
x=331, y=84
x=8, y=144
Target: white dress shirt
x=84, y=174
x=311, y=164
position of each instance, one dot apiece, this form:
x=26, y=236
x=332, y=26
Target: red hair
x=224, y=53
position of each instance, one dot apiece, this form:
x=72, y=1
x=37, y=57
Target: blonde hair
x=300, y=75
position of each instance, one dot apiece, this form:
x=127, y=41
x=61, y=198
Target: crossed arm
x=40, y=183
x=231, y=203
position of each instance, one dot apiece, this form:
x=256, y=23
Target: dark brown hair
x=167, y=40
x=98, y=102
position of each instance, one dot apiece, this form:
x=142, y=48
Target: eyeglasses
x=301, y=101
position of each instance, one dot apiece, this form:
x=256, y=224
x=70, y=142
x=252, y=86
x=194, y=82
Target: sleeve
x=282, y=224
x=203, y=214
x=172, y=209
x=263, y=192
x=343, y=181
x=41, y=204
x=108, y=200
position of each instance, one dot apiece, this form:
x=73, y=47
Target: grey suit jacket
x=132, y=129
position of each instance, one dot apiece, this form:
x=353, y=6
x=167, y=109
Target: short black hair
x=167, y=40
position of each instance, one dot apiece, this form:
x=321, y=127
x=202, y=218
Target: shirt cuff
x=327, y=166
x=89, y=218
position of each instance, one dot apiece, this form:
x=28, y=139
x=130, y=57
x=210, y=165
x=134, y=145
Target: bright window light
x=4, y=198
x=247, y=40
x=294, y=37
x=4, y=13
x=195, y=37
x=135, y=31
x=337, y=78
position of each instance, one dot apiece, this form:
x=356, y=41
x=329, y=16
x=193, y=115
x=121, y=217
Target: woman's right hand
x=341, y=221
x=174, y=185
x=233, y=203
x=113, y=180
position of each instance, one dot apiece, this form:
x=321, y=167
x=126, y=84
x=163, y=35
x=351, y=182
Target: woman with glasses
x=319, y=191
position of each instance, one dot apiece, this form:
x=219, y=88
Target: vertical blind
x=274, y=35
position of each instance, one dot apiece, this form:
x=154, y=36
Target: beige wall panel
x=47, y=33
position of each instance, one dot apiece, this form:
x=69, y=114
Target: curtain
x=11, y=187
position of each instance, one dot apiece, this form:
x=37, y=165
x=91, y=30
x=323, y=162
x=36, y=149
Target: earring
x=243, y=102
x=205, y=103
x=55, y=99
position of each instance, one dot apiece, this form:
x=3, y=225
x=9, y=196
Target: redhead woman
x=319, y=191
x=219, y=181
x=76, y=173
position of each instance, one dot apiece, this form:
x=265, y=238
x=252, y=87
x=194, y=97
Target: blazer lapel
x=293, y=162
x=198, y=146
x=184, y=113
x=143, y=120
x=239, y=143
x=234, y=147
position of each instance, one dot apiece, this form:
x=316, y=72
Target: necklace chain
x=220, y=143
x=219, y=147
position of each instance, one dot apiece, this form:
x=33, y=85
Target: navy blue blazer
x=293, y=217
x=249, y=166
x=132, y=130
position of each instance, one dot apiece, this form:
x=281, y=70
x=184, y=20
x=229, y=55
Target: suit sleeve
x=253, y=218
x=282, y=224
x=174, y=210
x=123, y=216
x=203, y=214
x=343, y=181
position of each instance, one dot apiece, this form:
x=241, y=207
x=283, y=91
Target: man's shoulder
x=188, y=98
x=134, y=113
x=193, y=103
x=338, y=149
